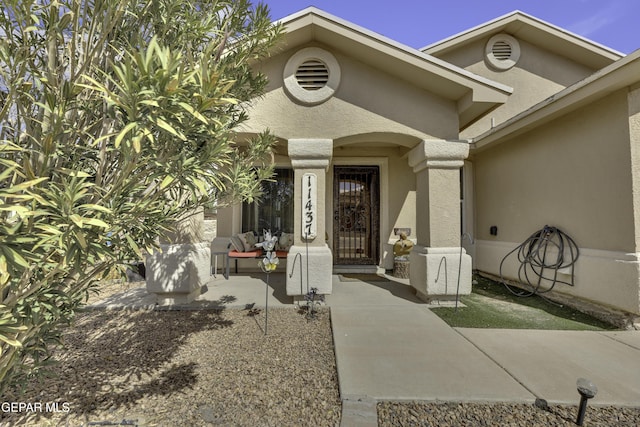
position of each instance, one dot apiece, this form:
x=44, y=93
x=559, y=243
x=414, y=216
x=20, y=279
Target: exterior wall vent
x=311, y=76
x=502, y=52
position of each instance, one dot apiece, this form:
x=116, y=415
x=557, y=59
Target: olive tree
x=117, y=116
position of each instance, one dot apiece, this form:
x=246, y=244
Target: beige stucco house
x=490, y=134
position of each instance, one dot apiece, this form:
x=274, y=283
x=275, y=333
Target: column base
x=319, y=274
x=434, y=272
x=177, y=275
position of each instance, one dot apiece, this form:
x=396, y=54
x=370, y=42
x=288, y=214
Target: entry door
x=356, y=215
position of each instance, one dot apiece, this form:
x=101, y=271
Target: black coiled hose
x=541, y=256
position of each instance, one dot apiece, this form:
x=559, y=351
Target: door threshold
x=356, y=269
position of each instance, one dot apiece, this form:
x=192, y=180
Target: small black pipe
x=587, y=391
x=582, y=410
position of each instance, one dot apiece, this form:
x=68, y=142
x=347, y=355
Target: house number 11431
x=309, y=206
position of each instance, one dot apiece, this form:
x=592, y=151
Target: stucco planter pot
x=177, y=274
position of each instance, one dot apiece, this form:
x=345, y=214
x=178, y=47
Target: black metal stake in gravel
x=268, y=264
x=587, y=391
x=266, y=306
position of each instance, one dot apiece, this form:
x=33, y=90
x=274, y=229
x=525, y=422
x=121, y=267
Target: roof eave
x=565, y=42
x=623, y=73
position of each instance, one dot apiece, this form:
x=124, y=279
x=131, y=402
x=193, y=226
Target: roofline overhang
x=622, y=73
x=474, y=95
x=567, y=43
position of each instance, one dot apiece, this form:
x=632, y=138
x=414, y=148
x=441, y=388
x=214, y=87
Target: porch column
x=310, y=159
x=438, y=257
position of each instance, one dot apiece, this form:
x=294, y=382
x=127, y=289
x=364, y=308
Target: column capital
x=310, y=153
x=438, y=154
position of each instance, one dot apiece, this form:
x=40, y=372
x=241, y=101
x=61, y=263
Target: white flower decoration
x=269, y=242
x=270, y=261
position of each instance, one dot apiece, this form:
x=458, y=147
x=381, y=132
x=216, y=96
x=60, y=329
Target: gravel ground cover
x=190, y=368
x=420, y=414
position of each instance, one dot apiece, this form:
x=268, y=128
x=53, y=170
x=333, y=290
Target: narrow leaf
x=166, y=126
x=24, y=185
x=133, y=245
x=94, y=207
x=77, y=219
x=193, y=112
x=80, y=238
x=96, y=222
x=124, y=132
x=167, y=181
x=11, y=342
x=14, y=256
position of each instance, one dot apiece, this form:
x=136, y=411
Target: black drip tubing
x=541, y=256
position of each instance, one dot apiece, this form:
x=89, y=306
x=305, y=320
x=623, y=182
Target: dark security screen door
x=356, y=222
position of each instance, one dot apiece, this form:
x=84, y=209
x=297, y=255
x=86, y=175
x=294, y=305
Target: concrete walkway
x=391, y=346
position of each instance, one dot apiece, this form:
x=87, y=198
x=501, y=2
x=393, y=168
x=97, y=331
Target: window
x=274, y=211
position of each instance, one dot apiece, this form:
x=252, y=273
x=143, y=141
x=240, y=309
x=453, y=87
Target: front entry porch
x=339, y=208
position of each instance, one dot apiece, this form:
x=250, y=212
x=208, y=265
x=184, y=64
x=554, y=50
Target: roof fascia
x=595, y=49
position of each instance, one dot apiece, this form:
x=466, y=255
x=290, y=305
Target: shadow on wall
x=179, y=272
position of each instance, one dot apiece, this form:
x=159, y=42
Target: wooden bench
x=258, y=253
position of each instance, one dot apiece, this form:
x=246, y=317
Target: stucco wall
x=634, y=133
x=367, y=101
x=573, y=173
x=538, y=74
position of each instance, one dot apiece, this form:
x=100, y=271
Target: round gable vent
x=502, y=52
x=311, y=75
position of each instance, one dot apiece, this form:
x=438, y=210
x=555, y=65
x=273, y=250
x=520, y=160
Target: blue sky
x=417, y=23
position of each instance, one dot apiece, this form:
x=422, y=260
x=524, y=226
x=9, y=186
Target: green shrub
x=117, y=117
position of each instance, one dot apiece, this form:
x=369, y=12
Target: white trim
x=383, y=164
x=501, y=21
x=633, y=257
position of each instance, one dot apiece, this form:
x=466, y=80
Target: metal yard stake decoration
x=268, y=265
